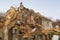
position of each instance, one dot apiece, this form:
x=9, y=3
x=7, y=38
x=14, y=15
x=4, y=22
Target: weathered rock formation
x=21, y=22
x=24, y=23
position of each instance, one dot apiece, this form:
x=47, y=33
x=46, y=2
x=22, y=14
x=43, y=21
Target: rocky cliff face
x=24, y=21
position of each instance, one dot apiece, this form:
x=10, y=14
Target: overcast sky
x=48, y=8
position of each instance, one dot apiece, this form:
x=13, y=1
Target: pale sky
x=48, y=8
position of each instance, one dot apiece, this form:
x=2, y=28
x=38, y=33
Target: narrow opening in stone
x=20, y=32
